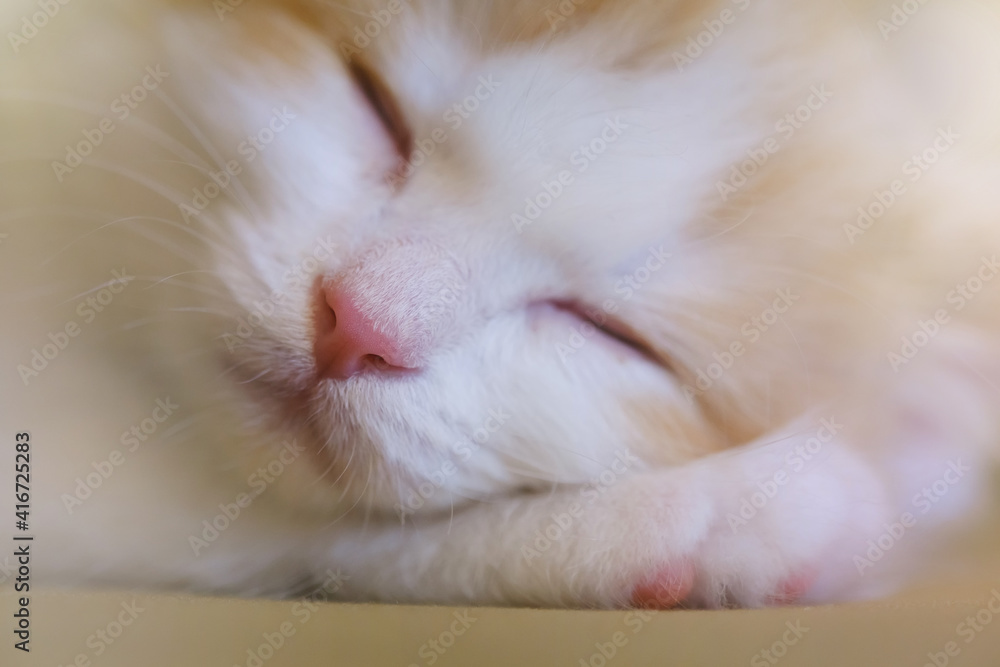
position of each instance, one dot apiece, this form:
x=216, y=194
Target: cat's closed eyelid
x=385, y=106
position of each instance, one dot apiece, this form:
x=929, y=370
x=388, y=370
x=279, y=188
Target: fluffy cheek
x=597, y=401
x=507, y=410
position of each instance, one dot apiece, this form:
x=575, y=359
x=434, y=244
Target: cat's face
x=480, y=205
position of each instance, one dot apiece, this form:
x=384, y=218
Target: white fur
x=470, y=291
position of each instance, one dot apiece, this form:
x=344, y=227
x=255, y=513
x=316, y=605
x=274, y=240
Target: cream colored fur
x=533, y=460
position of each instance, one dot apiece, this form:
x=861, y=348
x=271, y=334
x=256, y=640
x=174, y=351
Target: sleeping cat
x=582, y=303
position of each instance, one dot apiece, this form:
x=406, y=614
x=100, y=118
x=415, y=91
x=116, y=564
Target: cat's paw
x=666, y=588
x=672, y=586
x=753, y=529
x=749, y=528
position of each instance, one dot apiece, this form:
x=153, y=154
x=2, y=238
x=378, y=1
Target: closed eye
x=385, y=106
x=614, y=329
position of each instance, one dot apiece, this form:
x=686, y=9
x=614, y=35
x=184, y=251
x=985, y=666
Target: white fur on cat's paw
x=756, y=527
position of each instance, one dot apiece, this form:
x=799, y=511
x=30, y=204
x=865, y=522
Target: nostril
x=347, y=340
x=378, y=362
x=324, y=316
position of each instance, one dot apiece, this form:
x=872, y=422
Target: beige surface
x=172, y=630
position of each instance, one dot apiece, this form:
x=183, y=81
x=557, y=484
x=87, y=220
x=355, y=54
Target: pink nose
x=348, y=342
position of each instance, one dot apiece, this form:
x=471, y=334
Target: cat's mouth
x=593, y=323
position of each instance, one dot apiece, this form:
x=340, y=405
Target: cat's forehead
x=435, y=55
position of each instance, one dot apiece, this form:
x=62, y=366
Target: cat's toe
x=665, y=588
x=791, y=590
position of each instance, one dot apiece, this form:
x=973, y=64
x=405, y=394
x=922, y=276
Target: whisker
x=360, y=496
x=173, y=223
x=147, y=129
x=194, y=286
x=40, y=211
x=244, y=199
x=256, y=377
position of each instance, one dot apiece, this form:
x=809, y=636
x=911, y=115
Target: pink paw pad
x=792, y=589
x=665, y=589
